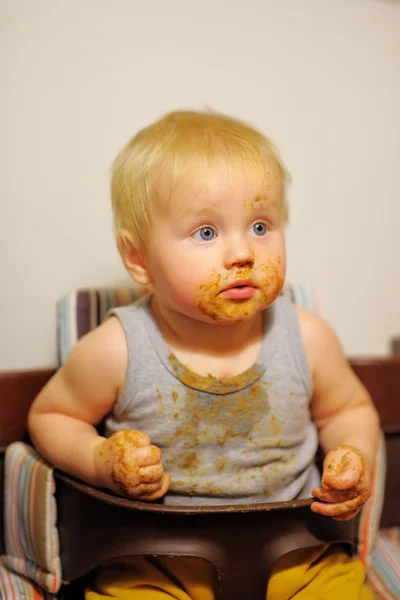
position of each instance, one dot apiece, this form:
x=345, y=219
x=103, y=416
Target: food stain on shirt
x=160, y=399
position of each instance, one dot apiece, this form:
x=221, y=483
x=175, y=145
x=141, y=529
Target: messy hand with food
x=129, y=464
x=345, y=485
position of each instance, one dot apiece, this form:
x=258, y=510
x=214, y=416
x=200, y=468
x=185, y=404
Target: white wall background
x=79, y=77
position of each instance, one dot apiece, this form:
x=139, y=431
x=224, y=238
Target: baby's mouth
x=239, y=290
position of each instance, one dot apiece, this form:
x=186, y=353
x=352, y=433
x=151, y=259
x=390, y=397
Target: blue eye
x=259, y=228
x=205, y=234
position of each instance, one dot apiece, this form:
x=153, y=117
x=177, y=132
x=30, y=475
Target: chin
x=231, y=313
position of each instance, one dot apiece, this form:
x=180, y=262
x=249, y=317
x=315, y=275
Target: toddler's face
x=217, y=251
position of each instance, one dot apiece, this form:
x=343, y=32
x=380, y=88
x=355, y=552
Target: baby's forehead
x=201, y=185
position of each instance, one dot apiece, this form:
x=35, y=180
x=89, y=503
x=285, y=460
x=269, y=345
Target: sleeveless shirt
x=237, y=440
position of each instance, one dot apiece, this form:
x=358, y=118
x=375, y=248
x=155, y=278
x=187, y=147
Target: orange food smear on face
x=222, y=310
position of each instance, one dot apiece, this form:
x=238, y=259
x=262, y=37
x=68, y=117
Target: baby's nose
x=238, y=254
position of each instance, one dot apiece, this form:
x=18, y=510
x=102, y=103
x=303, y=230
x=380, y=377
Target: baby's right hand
x=129, y=464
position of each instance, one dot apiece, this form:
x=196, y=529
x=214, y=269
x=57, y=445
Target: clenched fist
x=129, y=464
x=346, y=484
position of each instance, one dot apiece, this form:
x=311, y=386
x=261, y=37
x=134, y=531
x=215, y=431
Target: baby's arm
x=62, y=419
x=347, y=422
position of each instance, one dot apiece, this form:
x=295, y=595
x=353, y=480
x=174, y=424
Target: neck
x=189, y=334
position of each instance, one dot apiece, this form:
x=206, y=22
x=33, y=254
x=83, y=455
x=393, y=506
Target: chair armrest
x=17, y=392
x=381, y=377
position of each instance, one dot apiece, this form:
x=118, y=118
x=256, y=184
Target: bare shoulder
x=319, y=339
x=105, y=345
x=102, y=353
x=335, y=383
x=89, y=382
x=335, y=386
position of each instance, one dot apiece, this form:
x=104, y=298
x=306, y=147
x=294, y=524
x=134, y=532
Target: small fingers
x=138, y=456
x=348, y=516
x=131, y=473
x=143, y=490
x=160, y=491
x=148, y=456
x=151, y=474
x=345, y=480
x=333, y=496
x=128, y=437
x=337, y=509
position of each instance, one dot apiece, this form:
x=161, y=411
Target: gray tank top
x=235, y=440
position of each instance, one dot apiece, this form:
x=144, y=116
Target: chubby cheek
x=272, y=277
x=178, y=277
x=270, y=264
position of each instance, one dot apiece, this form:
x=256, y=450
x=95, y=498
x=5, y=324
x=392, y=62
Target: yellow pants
x=326, y=573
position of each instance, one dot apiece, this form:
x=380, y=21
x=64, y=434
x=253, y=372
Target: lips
x=239, y=290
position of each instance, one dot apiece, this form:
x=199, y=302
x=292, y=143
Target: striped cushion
x=380, y=549
x=80, y=312
x=30, y=534
x=17, y=587
x=372, y=511
x=384, y=571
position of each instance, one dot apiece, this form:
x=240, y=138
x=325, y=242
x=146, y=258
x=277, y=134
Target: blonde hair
x=176, y=140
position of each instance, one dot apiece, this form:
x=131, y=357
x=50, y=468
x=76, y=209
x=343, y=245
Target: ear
x=132, y=258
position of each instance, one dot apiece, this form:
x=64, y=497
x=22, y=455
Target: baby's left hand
x=346, y=483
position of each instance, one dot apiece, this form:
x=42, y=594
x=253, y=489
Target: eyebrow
x=195, y=211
